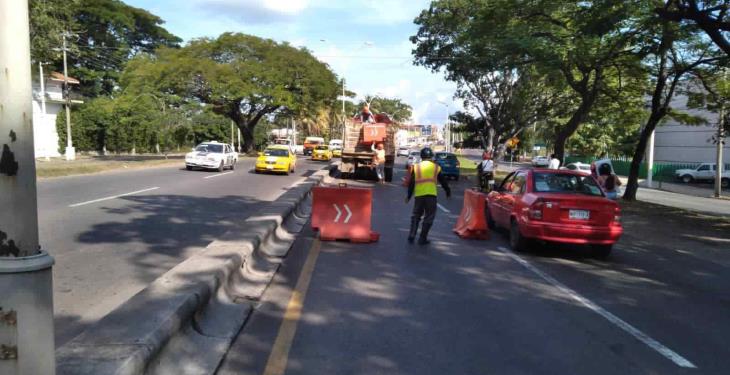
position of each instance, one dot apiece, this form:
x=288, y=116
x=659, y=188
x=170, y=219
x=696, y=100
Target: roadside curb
x=185, y=321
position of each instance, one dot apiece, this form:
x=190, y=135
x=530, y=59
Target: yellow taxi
x=276, y=158
x=322, y=152
x=337, y=153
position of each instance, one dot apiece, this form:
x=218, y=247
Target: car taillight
x=617, y=216
x=535, y=210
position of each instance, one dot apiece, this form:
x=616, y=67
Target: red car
x=555, y=206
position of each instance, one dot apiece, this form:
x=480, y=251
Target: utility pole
x=650, y=163
x=42, y=81
x=233, y=143
x=26, y=289
x=70, y=150
x=721, y=126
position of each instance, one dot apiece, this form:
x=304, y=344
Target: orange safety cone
x=472, y=223
x=343, y=213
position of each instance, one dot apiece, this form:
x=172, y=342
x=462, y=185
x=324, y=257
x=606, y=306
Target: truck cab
x=311, y=142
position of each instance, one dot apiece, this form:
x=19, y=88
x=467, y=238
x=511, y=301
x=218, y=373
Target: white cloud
x=255, y=11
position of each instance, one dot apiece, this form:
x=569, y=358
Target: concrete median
x=184, y=322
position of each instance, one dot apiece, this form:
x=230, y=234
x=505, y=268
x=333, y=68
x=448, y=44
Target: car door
x=497, y=206
x=704, y=172
x=511, y=197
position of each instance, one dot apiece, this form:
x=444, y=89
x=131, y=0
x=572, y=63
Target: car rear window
x=450, y=157
x=566, y=183
x=321, y=147
x=275, y=152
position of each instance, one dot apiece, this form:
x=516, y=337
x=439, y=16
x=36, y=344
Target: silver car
x=413, y=158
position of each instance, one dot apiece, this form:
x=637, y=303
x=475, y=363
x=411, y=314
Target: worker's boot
x=413, y=231
x=423, y=239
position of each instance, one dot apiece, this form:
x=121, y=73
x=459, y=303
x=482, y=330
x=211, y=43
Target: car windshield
x=566, y=183
x=275, y=152
x=323, y=148
x=209, y=148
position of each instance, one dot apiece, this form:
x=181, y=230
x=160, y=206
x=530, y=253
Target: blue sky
x=366, y=41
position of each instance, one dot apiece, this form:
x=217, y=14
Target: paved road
x=474, y=307
x=108, y=249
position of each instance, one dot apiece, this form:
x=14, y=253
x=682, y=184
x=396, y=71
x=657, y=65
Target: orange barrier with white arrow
x=472, y=223
x=343, y=213
x=373, y=133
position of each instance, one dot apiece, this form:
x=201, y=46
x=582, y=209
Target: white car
x=540, y=161
x=413, y=158
x=212, y=155
x=583, y=168
x=703, y=172
x=402, y=151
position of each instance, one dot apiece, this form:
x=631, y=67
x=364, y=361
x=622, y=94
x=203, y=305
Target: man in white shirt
x=486, y=172
x=554, y=162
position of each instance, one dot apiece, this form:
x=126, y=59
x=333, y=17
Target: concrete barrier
x=185, y=321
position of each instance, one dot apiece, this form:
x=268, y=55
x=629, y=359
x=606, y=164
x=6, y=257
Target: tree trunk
x=247, y=134
x=572, y=125
x=632, y=186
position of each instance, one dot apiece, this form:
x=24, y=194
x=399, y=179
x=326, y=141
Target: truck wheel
x=389, y=174
x=687, y=179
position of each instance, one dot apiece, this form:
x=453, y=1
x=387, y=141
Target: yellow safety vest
x=426, y=178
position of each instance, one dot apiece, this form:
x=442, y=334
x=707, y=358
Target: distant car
x=322, y=153
x=540, y=161
x=337, y=153
x=276, y=158
x=703, y=172
x=555, y=206
x=310, y=143
x=211, y=155
x=336, y=147
x=449, y=163
x=578, y=167
x=402, y=151
x=413, y=158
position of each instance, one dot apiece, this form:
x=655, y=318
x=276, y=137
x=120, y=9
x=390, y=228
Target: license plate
x=579, y=214
x=269, y=167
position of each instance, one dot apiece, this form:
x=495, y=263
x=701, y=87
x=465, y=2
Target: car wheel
x=233, y=166
x=488, y=217
x=256, y=171
x=221, y=167
x=725, y=183
x=602, y=251
x=516, y=241
x=188, y=167
x=687, y=179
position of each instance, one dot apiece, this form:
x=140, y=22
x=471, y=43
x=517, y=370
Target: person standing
x=422, y=184
x=379, y=161
x=486, y=172
x=608, y=181
x=366, y=116
x=554, y=162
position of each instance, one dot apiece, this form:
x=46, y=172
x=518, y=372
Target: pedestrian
x=423, y=178
x=379, y=161
x=608, y=181
x=486, y=172
x=366, y=116
x=554, y=162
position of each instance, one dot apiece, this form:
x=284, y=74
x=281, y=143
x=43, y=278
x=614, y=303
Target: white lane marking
x=339, y=213
x=628, y=328
x=442, y=208
x=113, y=197
x=217, y=175
x=349, y=214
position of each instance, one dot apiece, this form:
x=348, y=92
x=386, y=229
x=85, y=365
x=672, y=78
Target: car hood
x=684, y=171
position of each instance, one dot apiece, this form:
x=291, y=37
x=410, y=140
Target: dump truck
x=357, y=154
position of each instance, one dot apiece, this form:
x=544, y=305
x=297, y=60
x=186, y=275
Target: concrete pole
x=70, y=150
x=239, y=139
x=26, y=290
x=719, y=162
x=42, y=81
x=233, y=133
x=650, y=162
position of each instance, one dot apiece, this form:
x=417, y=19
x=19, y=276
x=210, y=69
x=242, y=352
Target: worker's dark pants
x=424, y=206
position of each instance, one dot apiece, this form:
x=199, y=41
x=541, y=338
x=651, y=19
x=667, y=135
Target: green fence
x=661, y=171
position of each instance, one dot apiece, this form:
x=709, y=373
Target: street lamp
x=447, y=126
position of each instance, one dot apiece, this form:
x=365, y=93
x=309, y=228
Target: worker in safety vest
x=422, y=184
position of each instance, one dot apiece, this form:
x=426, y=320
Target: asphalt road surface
x=113, y=233
x=474, y=307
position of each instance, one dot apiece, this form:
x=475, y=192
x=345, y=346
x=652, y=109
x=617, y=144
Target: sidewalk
x=684, y=197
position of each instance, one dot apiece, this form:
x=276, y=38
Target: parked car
x=561, y=206
x=276, y=158
x=322, y=153
x=540, y=161
x=336, y=147
x=449, y=163
x=413, y=158
x=212, y=155
x=402, y=151
x=578, y=167
x=703, y=172
x=310, y=143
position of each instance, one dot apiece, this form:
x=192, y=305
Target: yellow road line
x=276, y=365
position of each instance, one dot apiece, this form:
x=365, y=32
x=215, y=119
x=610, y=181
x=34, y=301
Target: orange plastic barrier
x=373, y=133
x=343, y=213
x=472, y=223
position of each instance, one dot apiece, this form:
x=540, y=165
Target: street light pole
x=26, y=290
x=70, y=150
x=721, y=126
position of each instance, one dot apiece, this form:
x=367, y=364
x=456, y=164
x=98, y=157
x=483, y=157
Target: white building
x=45, y=113
x=678, y=143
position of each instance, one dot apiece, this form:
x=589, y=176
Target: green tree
x=242, y=77
x=398, y=110
x=712, y=16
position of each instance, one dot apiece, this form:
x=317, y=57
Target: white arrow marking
x=373, y=132
x=468, y=214
x=349, y=214
x=339, y=213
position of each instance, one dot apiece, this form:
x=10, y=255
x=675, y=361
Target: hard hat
x=426, y=153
